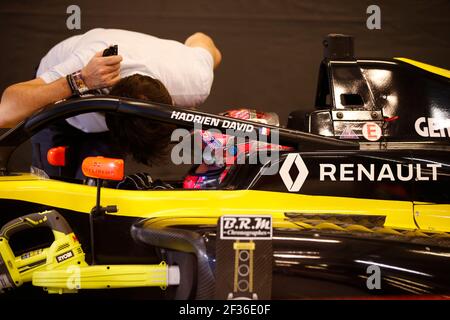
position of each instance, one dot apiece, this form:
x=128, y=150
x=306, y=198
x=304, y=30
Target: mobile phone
x=111, y=51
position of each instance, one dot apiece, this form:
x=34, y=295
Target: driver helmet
x=212, y=172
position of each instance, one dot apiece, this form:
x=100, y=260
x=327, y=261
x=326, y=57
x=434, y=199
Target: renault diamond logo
x=293, y=158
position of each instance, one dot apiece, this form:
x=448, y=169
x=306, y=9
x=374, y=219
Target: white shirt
x=186, y=72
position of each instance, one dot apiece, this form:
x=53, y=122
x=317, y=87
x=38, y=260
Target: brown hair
x=146, y=140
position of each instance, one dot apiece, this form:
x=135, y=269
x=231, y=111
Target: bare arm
x=204, y=41
x=21, y=100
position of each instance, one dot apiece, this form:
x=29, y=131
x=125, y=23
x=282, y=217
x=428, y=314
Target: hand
x=101, y=72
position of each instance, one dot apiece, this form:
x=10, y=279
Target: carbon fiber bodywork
x=329, y=258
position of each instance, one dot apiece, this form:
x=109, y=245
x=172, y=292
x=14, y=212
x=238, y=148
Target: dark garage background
x=271, y=48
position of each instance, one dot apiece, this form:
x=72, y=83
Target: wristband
x=76, y=83
x=71, y=85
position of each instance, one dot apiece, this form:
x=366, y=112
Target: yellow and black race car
x=358, y=204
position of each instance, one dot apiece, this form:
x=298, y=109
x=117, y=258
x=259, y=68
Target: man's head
x=145, y=139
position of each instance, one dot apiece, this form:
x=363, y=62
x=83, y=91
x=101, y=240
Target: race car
x=353, y=202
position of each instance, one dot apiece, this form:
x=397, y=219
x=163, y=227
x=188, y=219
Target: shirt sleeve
x=193, y=79
x=206, y=69
x=68, y=66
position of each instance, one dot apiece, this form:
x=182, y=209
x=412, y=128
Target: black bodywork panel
x=321, y=263
x=390, y=93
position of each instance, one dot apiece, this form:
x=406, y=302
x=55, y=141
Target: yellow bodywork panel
x=433, y=217
x=427, y=67
x=19, y=177
x=202, y=203
x=164, y=222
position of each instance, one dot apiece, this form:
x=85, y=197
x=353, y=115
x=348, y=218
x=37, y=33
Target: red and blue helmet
x=221, y=152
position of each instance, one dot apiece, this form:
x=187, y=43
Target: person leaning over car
x=147, y=67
